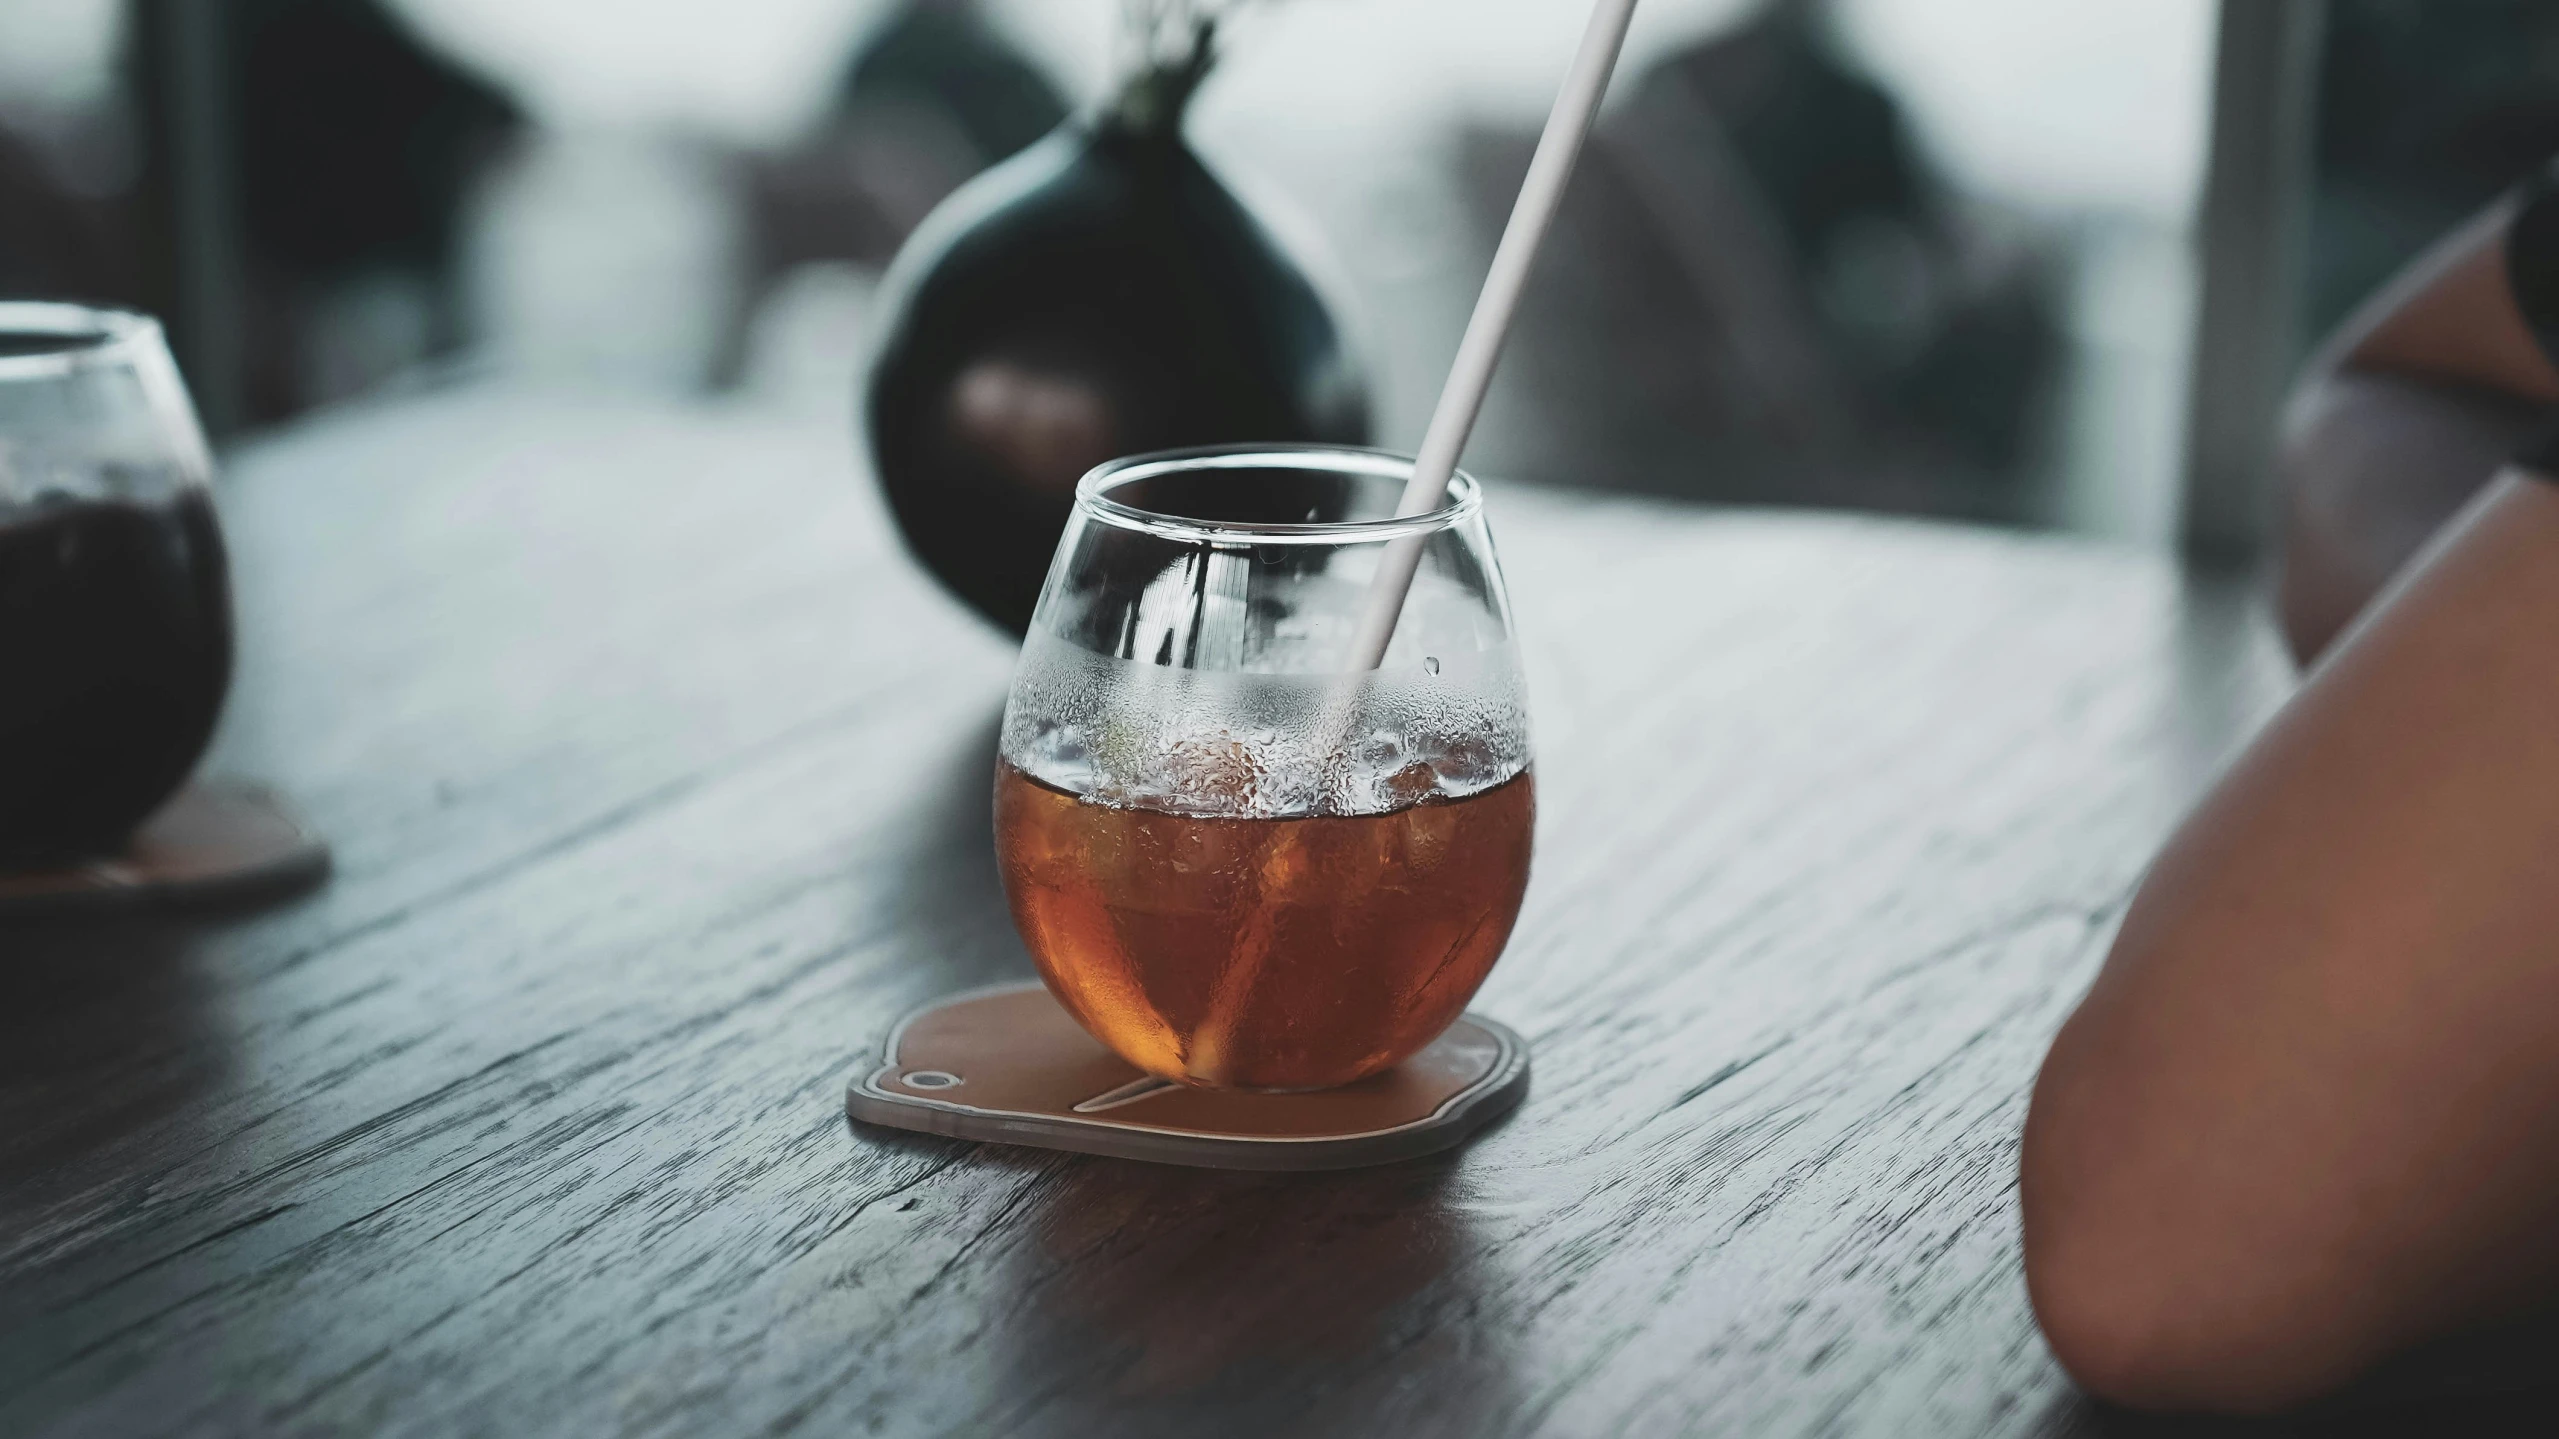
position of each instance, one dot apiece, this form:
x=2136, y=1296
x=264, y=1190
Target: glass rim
x=1093, y=497
x=107, y=335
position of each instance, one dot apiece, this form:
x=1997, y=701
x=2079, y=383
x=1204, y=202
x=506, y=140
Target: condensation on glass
x=1239, y=861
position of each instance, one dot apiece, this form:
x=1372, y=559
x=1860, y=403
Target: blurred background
x=1925, y=256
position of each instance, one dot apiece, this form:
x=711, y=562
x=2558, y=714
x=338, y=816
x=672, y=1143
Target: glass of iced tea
x=1239, y=860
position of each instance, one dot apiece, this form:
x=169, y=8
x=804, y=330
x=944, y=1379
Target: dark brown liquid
x=115, y=651
x=1263, y=953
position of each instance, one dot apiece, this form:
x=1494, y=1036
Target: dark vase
x=1100, y=294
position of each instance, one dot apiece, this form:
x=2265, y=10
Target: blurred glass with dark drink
x=115, y=602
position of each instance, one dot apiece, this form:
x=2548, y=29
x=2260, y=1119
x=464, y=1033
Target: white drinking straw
x=1459, y=401
x=1462, y=398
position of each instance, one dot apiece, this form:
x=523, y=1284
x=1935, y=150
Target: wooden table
x=658, y=783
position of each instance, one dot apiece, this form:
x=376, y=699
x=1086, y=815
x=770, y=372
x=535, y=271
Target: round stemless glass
x=115, y=600
x=1239, y=861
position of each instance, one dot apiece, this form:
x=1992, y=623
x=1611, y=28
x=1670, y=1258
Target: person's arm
x=2309, y=1113
x=2401, y=420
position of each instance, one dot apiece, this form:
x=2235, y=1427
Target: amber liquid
x=1263, y=953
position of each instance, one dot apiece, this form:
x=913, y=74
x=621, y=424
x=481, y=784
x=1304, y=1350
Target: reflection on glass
x=1236, y=864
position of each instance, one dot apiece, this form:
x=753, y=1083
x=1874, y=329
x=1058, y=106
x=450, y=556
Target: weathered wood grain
x=658, y=785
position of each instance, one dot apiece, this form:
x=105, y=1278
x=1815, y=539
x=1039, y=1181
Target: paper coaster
x=1009, y=1065
x=216, y=840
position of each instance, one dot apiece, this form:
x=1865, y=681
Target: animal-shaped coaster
x=1009, y=1065
x=215, y=841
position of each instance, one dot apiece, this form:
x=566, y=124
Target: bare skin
x=2309, y=1113
x=2374, y=465
x=2403, y=418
